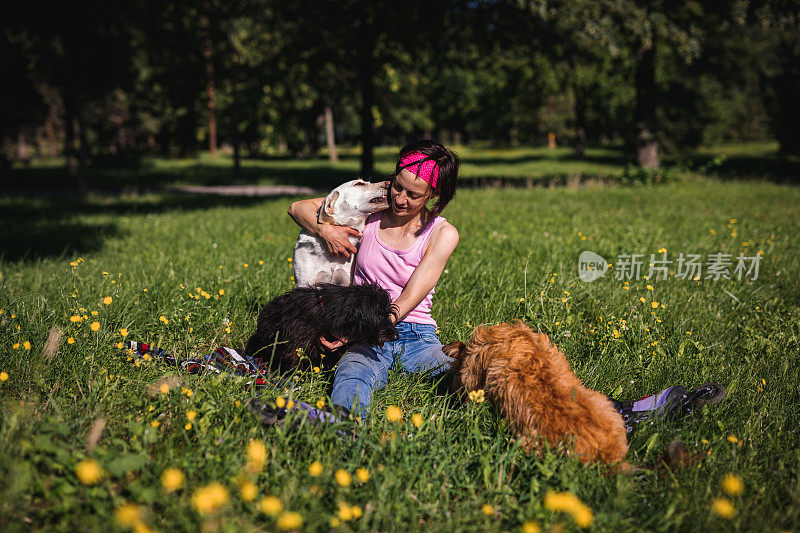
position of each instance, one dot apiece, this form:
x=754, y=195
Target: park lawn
x=481, y=164
x=159, y=256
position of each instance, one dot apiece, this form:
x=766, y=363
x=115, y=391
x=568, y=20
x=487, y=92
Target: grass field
x=154, y=256
x=481, y=163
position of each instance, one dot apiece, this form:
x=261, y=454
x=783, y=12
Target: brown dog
x=531, y=383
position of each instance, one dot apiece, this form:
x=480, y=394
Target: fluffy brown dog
x=531, y=383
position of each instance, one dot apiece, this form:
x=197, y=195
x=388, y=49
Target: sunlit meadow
x=91, y=440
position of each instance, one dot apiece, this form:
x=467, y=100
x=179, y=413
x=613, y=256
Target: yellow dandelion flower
x=210, y=498
x=260, y=262
x=128, y=514
x=75, y=318
x=654, y=305
x=164, y=388
x=26, y=345
x=248, y=490
x=343, y=478
x=123, y=332
x=487, y=509
x=649, y=287
x=289, y=520
x=289, y=259
x=317, y=370
x=280, y=402
x=345, y=512
x=3, y=376
x=246, y=265
x=616, y=333
x=190, y=415
x=289, y=404
x=315, y=468
x=417, y=420
x=15, y=346
x=187, y=426
x=394, y=413
x=189, y=393
x=107, y=300
x=321, y=403
x=140, y=527
x=477, y=396
x=89, y=472
x=732, y=485
x=723, y=508
x=270, y=505
x=362, y=474
x=256, y=454
x=94, y=326
x=530, y=527
x=568, y=502
x=641, y=299
x=150, y=408
x=155, y=423
x=163, y=319
x=172, y=479
x=356, y=511
x=732, y=439
x=222, y=292
x=71, y=340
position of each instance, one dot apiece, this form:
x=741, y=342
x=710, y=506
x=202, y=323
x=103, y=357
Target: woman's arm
x=304, y=213
x=443, y=241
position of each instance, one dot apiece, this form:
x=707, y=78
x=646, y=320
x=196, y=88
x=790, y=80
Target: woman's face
x=408, y=194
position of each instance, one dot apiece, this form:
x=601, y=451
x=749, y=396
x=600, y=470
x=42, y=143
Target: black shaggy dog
x=361, y=314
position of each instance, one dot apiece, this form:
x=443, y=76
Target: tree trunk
x=580, y=121
x=74, y=169
x=366, y=82
x=83, y=148
x=50, y=132
x=330, y=135
x=787, y=123
x=645, y=81
x=237, y=166
x=210, y=92
x=23, y=153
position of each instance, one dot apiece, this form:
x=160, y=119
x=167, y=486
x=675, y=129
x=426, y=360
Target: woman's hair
x=445, y=159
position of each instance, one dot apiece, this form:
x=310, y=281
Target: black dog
x=361, y=314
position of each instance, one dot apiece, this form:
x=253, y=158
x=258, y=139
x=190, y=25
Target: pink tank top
x=377, y=262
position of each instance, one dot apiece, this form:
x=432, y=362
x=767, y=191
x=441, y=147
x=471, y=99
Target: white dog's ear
x=325, y=215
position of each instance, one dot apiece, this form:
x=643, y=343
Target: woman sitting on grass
x=404, y=249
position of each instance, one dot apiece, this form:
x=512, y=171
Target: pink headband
x=427, y=170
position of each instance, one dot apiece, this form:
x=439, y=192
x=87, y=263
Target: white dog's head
x=349, y=204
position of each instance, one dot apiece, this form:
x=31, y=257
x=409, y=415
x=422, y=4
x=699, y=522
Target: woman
x=404, y=249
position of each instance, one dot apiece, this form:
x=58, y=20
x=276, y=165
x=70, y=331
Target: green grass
x=517, y=259
x=481, y=163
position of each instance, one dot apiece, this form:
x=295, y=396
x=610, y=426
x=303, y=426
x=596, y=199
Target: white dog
x=348, y=204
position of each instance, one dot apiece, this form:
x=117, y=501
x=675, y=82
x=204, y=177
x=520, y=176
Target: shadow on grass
x=774, y=169
x=139, y=177
x=605, y=159
x=47, y=228
x=52, y=238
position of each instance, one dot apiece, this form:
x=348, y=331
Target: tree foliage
x=658, y=75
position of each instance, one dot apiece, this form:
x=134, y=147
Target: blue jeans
x=365, y=369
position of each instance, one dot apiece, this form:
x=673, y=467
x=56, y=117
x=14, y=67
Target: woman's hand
x=338, y=239
x=333, y=345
